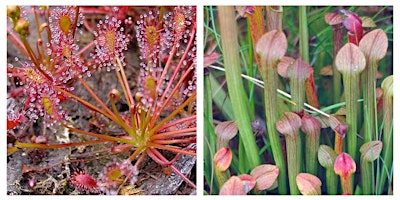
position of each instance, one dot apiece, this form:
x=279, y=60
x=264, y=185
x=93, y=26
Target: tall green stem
x=351, y=92
x=369, y=89
x=236, y=91
x=370, y=152
x=374, y=46
x=387, y=138
x=298, y=73
x=312, y=143
x=251, y=70
x=311, y=127
x=303, y=28
x=293, y=147
x=327, y=157
x=209, y=136
x=298, y=92
x=289, y=126
x=350, y=61
x=271, y=112
x=331, y=181
x=366, y=177
x=271, y=47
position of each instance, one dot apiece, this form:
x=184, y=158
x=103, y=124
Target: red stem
x=105, y=137
x=167, y=125
x=176, y=141
x=14, y=39
x=157, y=157
x=86, y=47
x=55, y=146
x=171, y=148
x=187, y=132
x=179, y=173
x=155, y=117
x=177, y=69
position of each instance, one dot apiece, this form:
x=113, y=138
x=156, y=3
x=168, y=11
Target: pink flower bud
x=344, y=165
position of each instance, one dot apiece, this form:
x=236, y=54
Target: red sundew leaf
x=308, y=184
x=13, y=123
x=266, y=176
x=84, y=182
x=33, y=75
x=210, y=58
x=233, y=186
x=179, y=21
x=223, y=159
x=248, y=181
x=47, y=105
x=333, y=18
x=150, y=86
x=283, y=65
x=114, y=174
x=374, y=45
x=65, y=24
x=350, y=59
x=344, y=165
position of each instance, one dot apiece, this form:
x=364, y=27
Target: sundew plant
x=101, y=99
